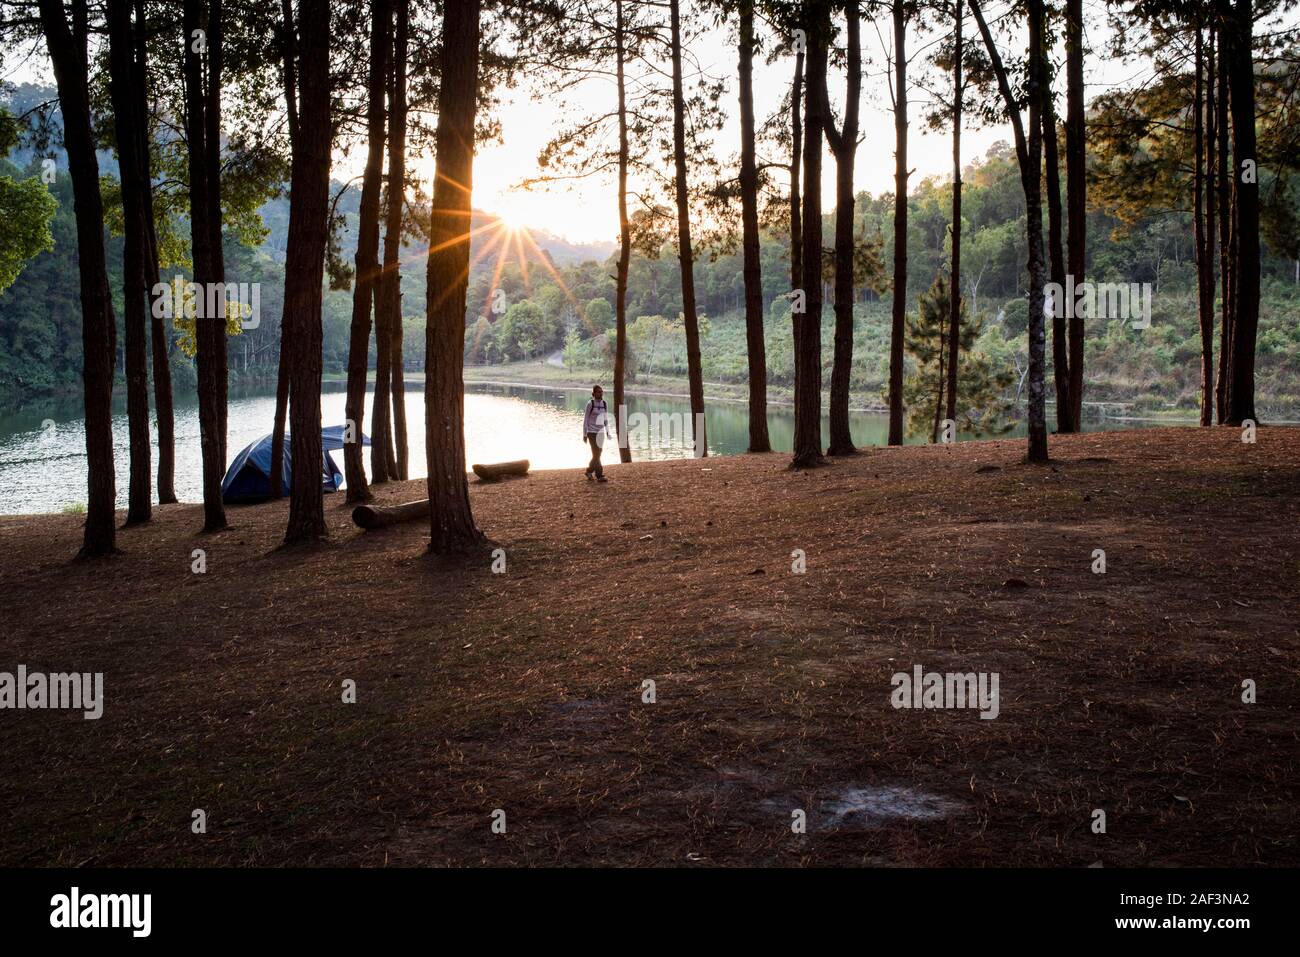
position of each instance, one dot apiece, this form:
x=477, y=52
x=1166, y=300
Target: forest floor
x=523, y=691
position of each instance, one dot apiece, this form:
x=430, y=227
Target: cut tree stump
x=493, y=473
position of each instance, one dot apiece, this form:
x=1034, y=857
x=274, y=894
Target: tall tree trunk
x=899, y=315
x=796, y=171
x=1076, y=187
x=808, y=332
x=304, y=270
x=388, y=307
x=397, y=174
x=954, y=284
x=202, y=39
x=1245, y=196
x=123, y=84
x=624, y=241
x=844, y=144
x=451, y=526
x=367, y=256
x=1211, y=218
x=1029, y=156
x=288, y=59
x=1204, y=260
x=1056, y=252
x=1223, y=188
x=160, y=340
x=756, y=346
x=68, y=54
x=684, y=252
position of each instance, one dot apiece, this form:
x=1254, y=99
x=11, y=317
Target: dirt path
x=523, y=691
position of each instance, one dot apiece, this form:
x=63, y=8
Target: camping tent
x=248, y=478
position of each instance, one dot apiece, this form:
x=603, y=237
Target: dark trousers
x=595, y=440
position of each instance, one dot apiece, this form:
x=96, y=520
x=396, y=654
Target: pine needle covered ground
x=523, y=691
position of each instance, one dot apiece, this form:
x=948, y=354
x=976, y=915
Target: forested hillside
x=563, y=298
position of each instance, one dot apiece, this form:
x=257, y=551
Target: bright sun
x=511, y=220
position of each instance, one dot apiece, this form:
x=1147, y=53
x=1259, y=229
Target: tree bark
x=1204, y=260
x=451, y=524
x=304, y=270
x=796, y=171
x=388, y=309
x=684, y=252
x=808, y=332
x=954, y=284
x=899, y=314
x=756, y=346
x=844, y=144
x=1076, y=187
x=367, y=258
x=1029, y=157
x=624, y=241
x=1245, y=197
x=202, y=36
x=123, y=83
x=68, y=55
x=288, y=56
x=1056, y=253
x=1223, y=189
x=160, y=340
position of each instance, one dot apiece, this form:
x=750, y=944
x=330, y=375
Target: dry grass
x=522, y=691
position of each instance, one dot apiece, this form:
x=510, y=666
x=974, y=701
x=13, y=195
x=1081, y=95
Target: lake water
x=43, y=452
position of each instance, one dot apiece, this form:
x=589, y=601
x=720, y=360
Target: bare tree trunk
x=1223, y=186
x=399, y=449
x=796, y=200
x=684, y=252
x=1203, y=246
x=451, y=526
x=367, y=257
x=1029, y=156
x=68, y=54
x=1076, y=186
x=288, y=55
x=954, y=284
x=1240, y=68
x=844, y=144
x=899, y=316
x=808, y=332
x=202, y=35
x=388, y=309
x=1056, y=253
x=304, y=270
x=126, y=119
x=160, y=341
x=624, y=241
x=756, y=346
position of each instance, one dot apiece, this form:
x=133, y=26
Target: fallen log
x=493, y=473
x=381, y=516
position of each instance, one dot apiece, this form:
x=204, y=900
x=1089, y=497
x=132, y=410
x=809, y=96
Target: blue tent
x=247, y=479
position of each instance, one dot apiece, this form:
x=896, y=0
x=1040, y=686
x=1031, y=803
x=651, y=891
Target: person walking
x=595, y=429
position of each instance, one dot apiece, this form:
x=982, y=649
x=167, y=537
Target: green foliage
x=983, y=404
x=26, y=210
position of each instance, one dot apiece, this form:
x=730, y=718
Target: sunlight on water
x=43, y=456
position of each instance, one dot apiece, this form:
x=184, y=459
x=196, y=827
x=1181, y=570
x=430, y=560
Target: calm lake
x=43, y=455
